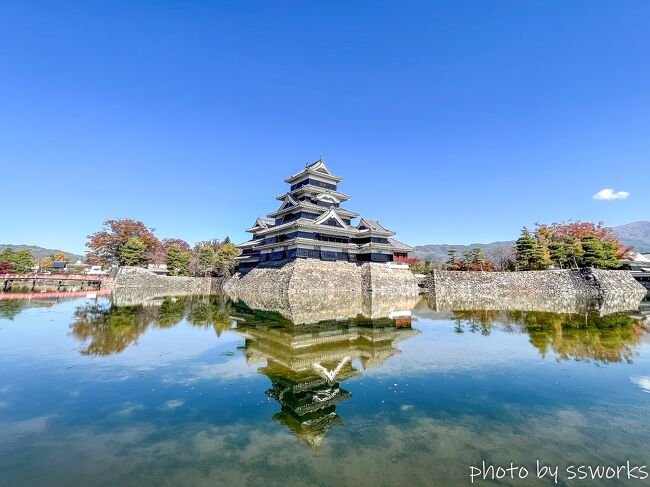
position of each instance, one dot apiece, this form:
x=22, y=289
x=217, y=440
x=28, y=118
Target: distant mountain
x=40, y=252
x=438, y=253
x=636, y=234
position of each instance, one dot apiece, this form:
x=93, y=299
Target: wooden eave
x=366, y=232
x=247, y=244
x=304, y=205
x=317, y=190
x=309, y=241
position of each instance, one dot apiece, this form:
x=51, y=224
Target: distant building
x=637, y=262
x=58, y=266
x=95, y=270
x=310, y=223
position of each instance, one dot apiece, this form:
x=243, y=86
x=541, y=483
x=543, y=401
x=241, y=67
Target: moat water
x=204, y=391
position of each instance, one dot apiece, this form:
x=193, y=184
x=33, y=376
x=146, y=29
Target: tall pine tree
x=178, y=262
x=133, y=252
x=526, y=248
x=594, y=254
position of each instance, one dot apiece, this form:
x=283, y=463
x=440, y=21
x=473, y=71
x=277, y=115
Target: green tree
x=205, y=259
x=133, y=252
x=420, y=267
x=178, y=262
x=17, y=262
x=530, y=253
x=610, y=255
x=224, y=262
x=105, y=246
x=559, y=254
x=478, y=257
x=574, y=252
x=593, y=251
x=24, y=262
x=526, y=248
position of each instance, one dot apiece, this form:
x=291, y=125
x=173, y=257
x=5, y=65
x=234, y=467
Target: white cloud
x=643, y=382
x=173, y=404
x=608, y=194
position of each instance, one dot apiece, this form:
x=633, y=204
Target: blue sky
x=451, y=122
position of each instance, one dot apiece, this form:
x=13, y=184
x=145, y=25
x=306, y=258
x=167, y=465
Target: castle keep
x=310, y=223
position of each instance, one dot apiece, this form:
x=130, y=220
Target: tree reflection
x=588, y=336
x=611, y=338
x=10, y=308
x=172, y=311
x=476, y=321
x=211, y=312
x=110, y=329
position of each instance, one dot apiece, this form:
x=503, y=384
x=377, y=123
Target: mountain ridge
x=40, y=252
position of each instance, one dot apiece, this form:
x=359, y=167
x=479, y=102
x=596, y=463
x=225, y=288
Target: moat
x=206, y=391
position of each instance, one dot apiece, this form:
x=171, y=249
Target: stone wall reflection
x=314, y=307
x=613, y=303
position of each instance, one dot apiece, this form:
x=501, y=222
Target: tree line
x=569, y=245
x=17, y=261
x=563, y=245
x=23, y=262
x=129, y=242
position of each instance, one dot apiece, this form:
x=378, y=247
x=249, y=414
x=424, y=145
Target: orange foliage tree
x=575, y=231
x=470, y=260
x=158, y=254
x=106, y=244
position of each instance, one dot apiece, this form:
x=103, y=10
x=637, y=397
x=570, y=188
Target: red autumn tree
x=575, y=231
x=158, y=254
x=106, y=244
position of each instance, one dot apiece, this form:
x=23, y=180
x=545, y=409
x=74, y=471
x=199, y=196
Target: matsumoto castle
x=310, y=223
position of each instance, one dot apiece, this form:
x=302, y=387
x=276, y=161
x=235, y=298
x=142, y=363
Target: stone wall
x=380, y=278
x=309, y=290
x=552, y=290
x=139, y=283
x=322, y=277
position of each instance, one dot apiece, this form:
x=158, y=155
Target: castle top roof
x=317, y=168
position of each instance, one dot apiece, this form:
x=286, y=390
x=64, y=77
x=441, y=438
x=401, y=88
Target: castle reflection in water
x=310, y=344
x=307, y=364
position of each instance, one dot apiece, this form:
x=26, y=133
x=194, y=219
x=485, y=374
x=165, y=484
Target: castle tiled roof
x=400, y=246
x=373, y=225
